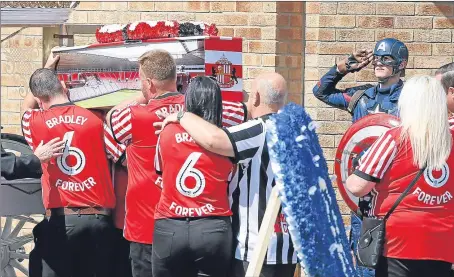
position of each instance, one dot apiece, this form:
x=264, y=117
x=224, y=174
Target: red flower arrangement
x=143, y=30
x=111, y=33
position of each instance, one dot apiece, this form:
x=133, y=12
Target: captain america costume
x=368, y=99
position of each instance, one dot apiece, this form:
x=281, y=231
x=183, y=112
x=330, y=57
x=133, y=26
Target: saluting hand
x=362, y=57
x=51, y=149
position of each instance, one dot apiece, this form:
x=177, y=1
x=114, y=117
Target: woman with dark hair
x=193, y=229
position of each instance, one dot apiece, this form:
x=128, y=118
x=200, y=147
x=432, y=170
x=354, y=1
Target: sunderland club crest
x=358, y=138
x=224, y=73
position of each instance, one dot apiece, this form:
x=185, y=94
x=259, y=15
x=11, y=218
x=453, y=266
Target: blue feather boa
x=308, y=198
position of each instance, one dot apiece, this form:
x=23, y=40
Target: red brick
x=362, y=8
x=313, y=7
x=336, y=47
x=249, y=7
x=443, y=23
x=295, y=47
x=433, y=35
x=402, y=35
x=294, y=87
x=413, y=22
x=419, y=49
x=296, y=74
x=396, y=8
x=293, y=7
x=222, y=6
x=284, y=72
x=342, y=21
x=296, y=20
x=443, y=49
x=289, y=33
x=375, y=22
x=282, y=47
x=355, y=35
x=248, y=33
x=433, y=62
x=282, y=20
x=295, y=98
x=443, y=9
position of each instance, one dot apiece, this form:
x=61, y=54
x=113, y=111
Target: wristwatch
x=180, y=115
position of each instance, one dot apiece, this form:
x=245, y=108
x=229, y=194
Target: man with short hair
x=246, y=143
x=74, y=239
x=445, y=74
x=389, y=58
x=131, y=125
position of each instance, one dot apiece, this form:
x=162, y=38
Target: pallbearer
x=74, y=239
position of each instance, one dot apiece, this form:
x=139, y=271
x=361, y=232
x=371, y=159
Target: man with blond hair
x=131, y=126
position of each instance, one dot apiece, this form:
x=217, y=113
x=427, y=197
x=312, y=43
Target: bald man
x=252, y=183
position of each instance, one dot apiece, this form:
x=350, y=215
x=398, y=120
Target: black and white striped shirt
x=249, y=191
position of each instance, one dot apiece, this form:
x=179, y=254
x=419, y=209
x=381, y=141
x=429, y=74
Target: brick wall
x=299, y=40
x=335, y=29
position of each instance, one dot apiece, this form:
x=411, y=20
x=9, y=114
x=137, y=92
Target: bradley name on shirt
x=67, y=119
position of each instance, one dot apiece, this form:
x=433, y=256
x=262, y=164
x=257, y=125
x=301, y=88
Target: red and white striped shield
x=358, y=138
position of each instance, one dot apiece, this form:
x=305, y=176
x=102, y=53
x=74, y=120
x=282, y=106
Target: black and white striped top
x=249, y=191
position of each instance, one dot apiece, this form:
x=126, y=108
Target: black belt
x=78, y=211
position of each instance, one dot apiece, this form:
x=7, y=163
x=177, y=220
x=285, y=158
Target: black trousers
x=73, y=246
x=122, y=262
x=390, y=267
x=192, y=247
x=239, y=269
x=140, y=254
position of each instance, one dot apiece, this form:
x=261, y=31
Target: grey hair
x=447, y=75
x=270, y=93
x=44, y=84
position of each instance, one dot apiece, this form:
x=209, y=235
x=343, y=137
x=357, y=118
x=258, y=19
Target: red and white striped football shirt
x=80, y=177
x=422, y=226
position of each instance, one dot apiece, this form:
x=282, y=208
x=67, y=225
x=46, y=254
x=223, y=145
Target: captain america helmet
x=390, y=47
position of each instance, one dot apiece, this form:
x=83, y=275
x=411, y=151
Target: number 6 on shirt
x=71, y=151
x=188, y=170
